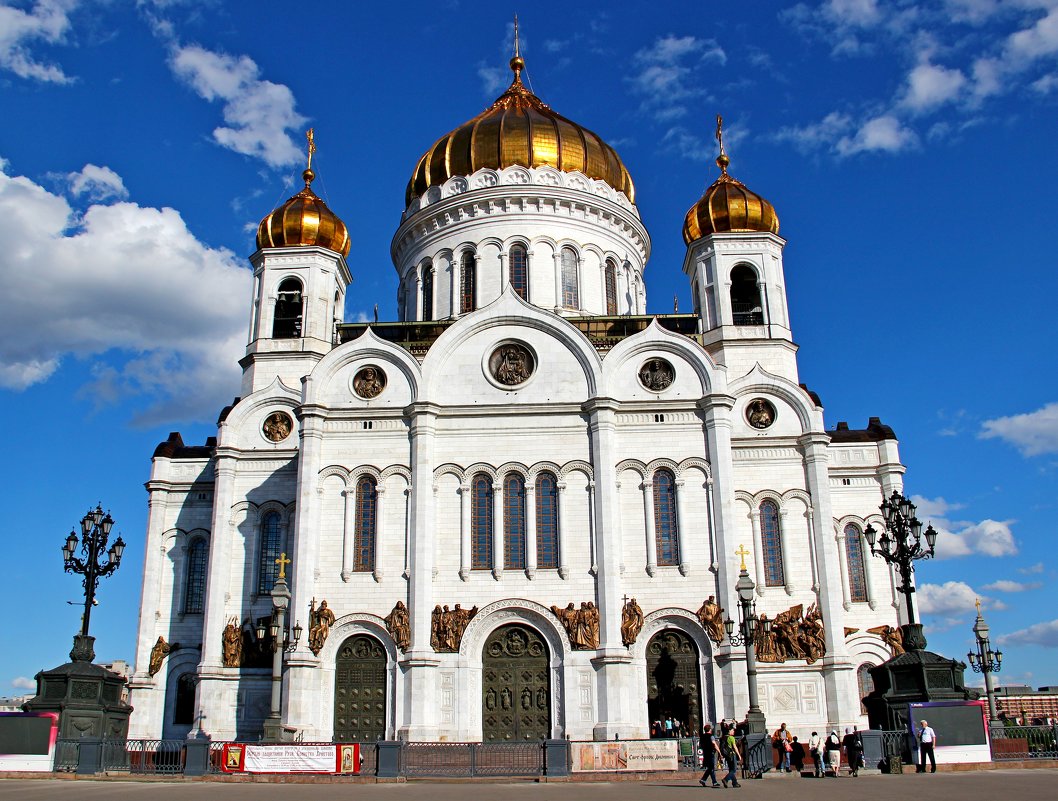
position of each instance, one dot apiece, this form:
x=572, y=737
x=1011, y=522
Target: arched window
x=467, y=299
x=481, y=522
x=195, y=581
x=771, y=544
x=570, y=287
x=610, y=279
x=865, y=683
x=746, y=308
x=518, y=270
x=184, y=703
x=854, y=559
x=668, y=538
x=514, y=522
x=271, y=548
x=366, y=514
x=546, y=521
x=427, y=291
x=286, y=322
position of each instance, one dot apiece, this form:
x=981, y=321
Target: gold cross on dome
x=743, y=553
x=977, y=603
x=720, y=133
x=517, y=48
x=310, y=135
x=282, y=561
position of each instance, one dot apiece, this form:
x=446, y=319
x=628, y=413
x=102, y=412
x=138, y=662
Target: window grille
x=546, y=521
x=771, y=544
x=271, y=548
x=195, y=584
x=514, y=522
x=519, y=271
x=427, y=291
x=854, y=559
x=611, y=287
x=481, y=522
x=365, y=524
x=466, y=282
x=570, y=288
x=668, y=546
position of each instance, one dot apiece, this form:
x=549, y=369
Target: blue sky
x=907, y=146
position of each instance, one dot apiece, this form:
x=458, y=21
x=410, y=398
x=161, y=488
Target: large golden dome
x=728, y=206
x=519, y=128
x=304, y=220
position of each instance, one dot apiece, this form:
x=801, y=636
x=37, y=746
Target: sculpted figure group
x=795, y=634
x=631, y=621
x=582, y=625
x=448, y=626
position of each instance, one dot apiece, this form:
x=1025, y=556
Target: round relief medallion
x=277, y=426
x=369, y=382
x=656, y=375
x=511, y=364
x=760, y=413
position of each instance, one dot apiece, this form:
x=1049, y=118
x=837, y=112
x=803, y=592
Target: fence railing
x=66, y=755
x=758, y=757
x=1024, y=742
x=472, y=759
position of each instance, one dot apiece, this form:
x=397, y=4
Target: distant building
x=121, y=667
x=14, y=704
x=1027, y=706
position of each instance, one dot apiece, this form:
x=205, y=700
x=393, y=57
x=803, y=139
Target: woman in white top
x=815, y=750
x=833, y=749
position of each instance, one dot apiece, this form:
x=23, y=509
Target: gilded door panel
x=673, y=679
x=515, y=686
x=360, y=691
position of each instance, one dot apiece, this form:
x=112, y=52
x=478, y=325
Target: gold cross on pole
x=977, y=603
x=743, y=553
x=310, y=135
x=282, y=561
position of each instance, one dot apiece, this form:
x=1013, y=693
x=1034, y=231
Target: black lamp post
x=901, y=544
x=95, y=532
x=281, y=643
x=985, y=660
x=748, y=625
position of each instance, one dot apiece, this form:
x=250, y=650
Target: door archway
x=360, y=690
x=515, y=686
x=674, y=679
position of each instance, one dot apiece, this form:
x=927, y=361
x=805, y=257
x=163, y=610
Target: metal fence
x=759, y=759
x=66, y=754
x=472, y=759
x=1024, y=742
x=144, y=757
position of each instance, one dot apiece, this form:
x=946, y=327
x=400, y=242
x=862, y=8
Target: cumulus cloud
x=1031, y=569
x=97, y=184
x=1043, y=634
x=957, y=538
x=883, y=133
x=1006, y=585
x=951, y=600
x=23, y=683
x=1032, y=433
x=125, y=284
x=931, y=85
x=47, y=21
x=258, y=114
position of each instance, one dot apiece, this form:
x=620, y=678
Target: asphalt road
x=968, y=786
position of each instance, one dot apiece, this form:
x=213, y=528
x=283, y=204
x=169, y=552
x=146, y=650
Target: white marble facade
x=584, y=416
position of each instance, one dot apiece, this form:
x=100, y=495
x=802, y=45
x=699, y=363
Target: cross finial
x=517, y=44
x=282, y=561
x=310, y=135
x=517, y=62
x=743, y=553
x=722, y=160
x=977, y=603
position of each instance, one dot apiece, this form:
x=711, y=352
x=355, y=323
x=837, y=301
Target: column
x=380, y=530
x=812, y=554
x=563, y=535
x=420, y=662
x=682, y=536
x=349, y=534
x=464, y=531
x=846, y=593
x=505, y=276
x=558, y=281
x=757, y=547
x=453, y=285
x=497, y=530
x=787, y=550
x=712, y=524
x=530, y=529
x=866, y=553
x=418, y=295
x=648, y=526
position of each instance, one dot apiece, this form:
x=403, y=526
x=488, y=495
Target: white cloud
x=23, y=683
x=1032, y=433
x=816, y=135
x=1006, y=585
x=124, y=283
x=664, y=75
x=493, y=79
x=933, y=507
x=931, y=85
x=1031, y=569
x=48, y=21
x=97, y=184
x=883, y=133
x=1043, y=634
x=952, y=599
x=957, y=538
x=258, y=113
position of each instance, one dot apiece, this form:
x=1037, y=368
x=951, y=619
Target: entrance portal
x=515, y=686
x=360, y=691
x=673, y=680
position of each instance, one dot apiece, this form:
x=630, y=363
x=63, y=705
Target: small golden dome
x=728, y=206
x=519, y=128
x=304, y=220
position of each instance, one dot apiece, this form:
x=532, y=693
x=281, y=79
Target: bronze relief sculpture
x=320, y=622
x=448, y=625
x=232, y=643
x=795, y=634
x=399, y=626
x=711, y=616
x=277, y=426
x=631, y=621
x=369, y=382
x=160, y=650
x=511, y=364
x=582, y=625
x=760, y=413
x=891, y=636
x=656, y=375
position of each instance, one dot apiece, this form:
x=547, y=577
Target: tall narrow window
x=610, y=279
x=746, y=308
x=467, y=297
x=271, y=548
x=427, y=291
x=854, y=559
x=771, y=544
x=668, y=539
x=570, y=287
x=865, y=683
x=286, y=322
x=184, y=703
x=481, y=522
x=514, y=521
x=195, y=583
x=546, y=521
x=519, y=271
x=366, y=515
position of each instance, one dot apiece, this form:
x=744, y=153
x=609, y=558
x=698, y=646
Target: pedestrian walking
x=732, y=756
x=782, y=742
x=815, y=750
x=927, y=738
x=710, y=753
x=853, y=749
x=832, y=748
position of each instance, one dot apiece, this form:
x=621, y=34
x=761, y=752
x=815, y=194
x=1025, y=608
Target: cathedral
x=519, y=511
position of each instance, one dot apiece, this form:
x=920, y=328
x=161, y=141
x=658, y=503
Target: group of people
x=723, y=750
x=668, y=727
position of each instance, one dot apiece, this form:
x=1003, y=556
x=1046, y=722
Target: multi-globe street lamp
x=985, y=660
x=95, y=533
x=748, y=625
x=282, y=641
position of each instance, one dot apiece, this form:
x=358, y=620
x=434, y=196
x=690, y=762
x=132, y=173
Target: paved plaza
x=964, y=786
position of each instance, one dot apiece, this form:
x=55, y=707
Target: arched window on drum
x=467, y=296
x=518, y=270
x=610, y=281
x=427, y=291
x=570, y=282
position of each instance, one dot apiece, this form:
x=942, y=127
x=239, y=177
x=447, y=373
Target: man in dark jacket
x=710, y=752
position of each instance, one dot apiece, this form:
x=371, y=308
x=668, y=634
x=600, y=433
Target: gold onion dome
x=519, y=129
x=728, y=206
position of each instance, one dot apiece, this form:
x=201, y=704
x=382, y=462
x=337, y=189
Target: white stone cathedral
x=479, y=490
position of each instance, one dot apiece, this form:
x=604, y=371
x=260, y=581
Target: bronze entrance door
x=515, y=686
x=360, y=691
x=673, y=680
